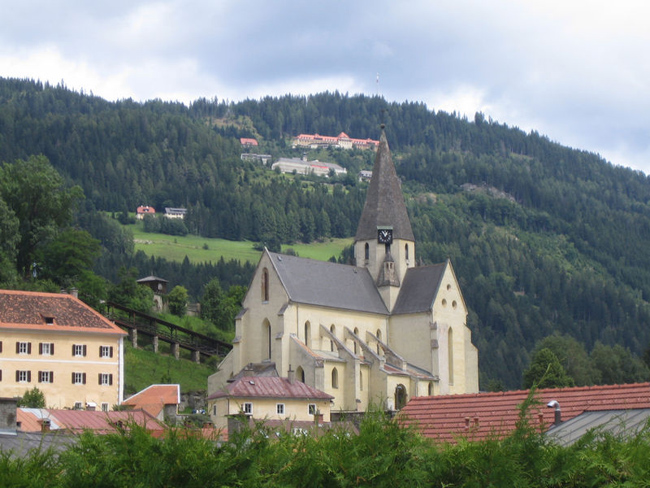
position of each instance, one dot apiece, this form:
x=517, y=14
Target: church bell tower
x=384, y=242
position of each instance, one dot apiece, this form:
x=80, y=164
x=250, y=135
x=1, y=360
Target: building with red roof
x=478, y=416
x=57, y=343
x=343, y=141
x=143, y=210
x=269, y=398
x=159, y=401
x=248, y=142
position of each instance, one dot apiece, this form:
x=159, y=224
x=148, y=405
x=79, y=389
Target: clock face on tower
x=385, y=236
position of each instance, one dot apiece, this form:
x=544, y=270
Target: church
x=376, y=333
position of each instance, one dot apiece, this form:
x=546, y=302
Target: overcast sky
x=576, y=71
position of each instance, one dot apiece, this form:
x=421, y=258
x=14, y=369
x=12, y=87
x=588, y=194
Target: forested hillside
x=544, y=239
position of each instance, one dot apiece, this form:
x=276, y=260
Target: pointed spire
x=384, y=200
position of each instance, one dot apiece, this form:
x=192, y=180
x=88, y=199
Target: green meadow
x=203, y=250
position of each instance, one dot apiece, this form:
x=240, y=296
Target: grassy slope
x=201, y=249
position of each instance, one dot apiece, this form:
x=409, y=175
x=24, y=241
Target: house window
x=46, y=348
x=78, y=405
x=248, y=408
x=279, y=408
x=265, y=285
x=105, y=379
x=335, y=378
x=23, y=376
x=79, y=350
x=104, y=407
x=78, y=378
x=105, y=351
x=312, y=409
x=0, y=346
x=46, y=376
x=23, y=347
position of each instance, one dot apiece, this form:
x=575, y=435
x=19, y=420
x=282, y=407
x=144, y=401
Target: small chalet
x=563, y=413
x=143, y=210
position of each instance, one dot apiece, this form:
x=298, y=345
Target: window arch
x=450, y=354
x=335, y=378
x=300, y=374
x=400, y=397
x=367, y=251
x=265, y=285
x=307, y=333
x=266, y=339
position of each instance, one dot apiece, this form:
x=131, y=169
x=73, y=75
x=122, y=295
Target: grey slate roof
x=625, y=423
x=419, y=289
x=19, y=444
x=384, y=200
x=328, y=284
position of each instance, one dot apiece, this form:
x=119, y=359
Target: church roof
x=270, y=387
x=328, y=284
x=384, y=200
x=419, y=289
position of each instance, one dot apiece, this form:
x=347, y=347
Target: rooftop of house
x=51, y=312
x=269, y=387
x=481, y=415
x=77, y=421
x=154, y=398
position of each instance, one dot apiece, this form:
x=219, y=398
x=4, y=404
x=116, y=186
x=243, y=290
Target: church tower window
x=335, y=378
x=406, y=251
x=307, y=333
x=367, y=251
x=450, y=354
x=265, y=285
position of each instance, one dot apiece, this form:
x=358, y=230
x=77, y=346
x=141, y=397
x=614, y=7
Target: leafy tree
x=33, y=398
x=573, y=357
x=177, y=301
x=9, y=239
x=36, y=194
x=68, y=256
x=545, y=371
x=617, y=365
x=129, y=293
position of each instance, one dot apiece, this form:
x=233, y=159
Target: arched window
x=265, y=285
x=307, y=333
x=300, y=374
x=335, y=378
x=379, y=334
x=360, y=380
x=406, y=251
x=430, y=392
x=266, y=339
x=367, y=251
x=333, y=331
x=400, y=397
x=450, y=354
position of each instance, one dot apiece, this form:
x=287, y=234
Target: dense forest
x=546, y=240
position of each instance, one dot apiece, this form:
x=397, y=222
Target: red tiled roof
x=154, y=398
x=77, y=421
x=248, y=140
x=269, y=387
x=52, y=312
x=480, y=415
x=142, y=209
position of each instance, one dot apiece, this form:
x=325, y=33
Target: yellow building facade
x=57, y=343
x=376, y=333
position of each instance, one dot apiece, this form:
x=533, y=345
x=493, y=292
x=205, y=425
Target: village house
x=303, y=167
x=143, y=210
x=377, y=333
x=175, y=213
x=59, y=344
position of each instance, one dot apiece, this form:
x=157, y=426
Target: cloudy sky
x=577, y=71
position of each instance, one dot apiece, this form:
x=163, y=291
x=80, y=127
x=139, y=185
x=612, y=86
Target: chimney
x=45, y=425
x=8, y=415
x=558, y=412
x=291, y=375
x=74, y=292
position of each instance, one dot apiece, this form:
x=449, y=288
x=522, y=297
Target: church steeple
x=385, y=205
x=384, y=242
